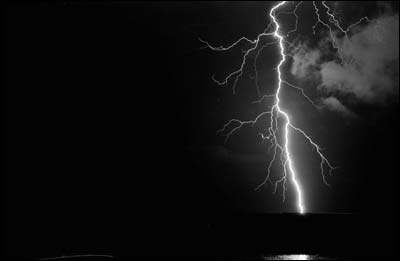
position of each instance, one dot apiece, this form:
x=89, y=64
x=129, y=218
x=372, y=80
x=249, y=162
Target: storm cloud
x=368, y=71
x=333, y=104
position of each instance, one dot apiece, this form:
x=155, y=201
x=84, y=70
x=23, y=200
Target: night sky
x=110, y=145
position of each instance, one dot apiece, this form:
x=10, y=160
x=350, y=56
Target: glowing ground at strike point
x=294, y=257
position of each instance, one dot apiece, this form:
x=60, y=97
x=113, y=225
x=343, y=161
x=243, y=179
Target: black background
x=109, y=144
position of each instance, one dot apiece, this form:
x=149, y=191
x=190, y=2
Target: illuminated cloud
x=304, y=61
x=370, y=69
x=333, y=104
x=368, y=73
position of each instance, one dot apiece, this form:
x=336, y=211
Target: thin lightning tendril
x=335, y=21
x=281, y=149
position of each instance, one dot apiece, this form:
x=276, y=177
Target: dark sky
x=110, y=129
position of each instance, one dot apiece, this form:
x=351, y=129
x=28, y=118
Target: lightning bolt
x=281, y=149
x=288, y=162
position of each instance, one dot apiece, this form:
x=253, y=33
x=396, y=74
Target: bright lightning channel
x=275, y=110
x=300, y=204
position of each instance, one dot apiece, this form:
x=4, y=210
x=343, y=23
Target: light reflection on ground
x=293, y=257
